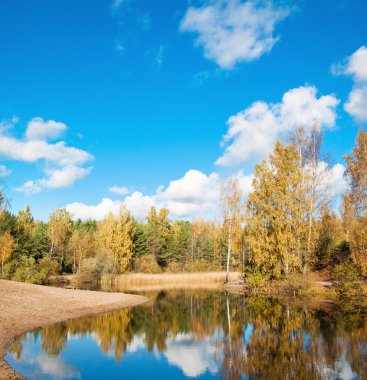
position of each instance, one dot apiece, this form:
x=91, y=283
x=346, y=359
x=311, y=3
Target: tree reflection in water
x=254, y=337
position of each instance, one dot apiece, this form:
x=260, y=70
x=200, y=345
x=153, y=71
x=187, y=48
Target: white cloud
x=139, y=204
x=336, y=180
x=193, y=357
x=253, y=131
x=119, y=190
x=63, y=165
x=233, y=31
x=38, y=129
x=99, y=212
x=57, y=178
x=194, y=195
x=357, y=102
x=356, y=66
x=4, y=171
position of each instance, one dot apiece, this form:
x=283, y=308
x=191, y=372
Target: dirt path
x=24, y=307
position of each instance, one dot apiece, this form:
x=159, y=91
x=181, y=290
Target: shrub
x=347, y=278
x=256, y=279
x=28, y=270
x=147, y=264
x=174, y=267
x=296, y=283
x=98, y=266
x=9, y=270
x=200, y=265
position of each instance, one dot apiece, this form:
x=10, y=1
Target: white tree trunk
x=229, y=248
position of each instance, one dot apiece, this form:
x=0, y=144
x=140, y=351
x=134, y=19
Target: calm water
x=203, y=335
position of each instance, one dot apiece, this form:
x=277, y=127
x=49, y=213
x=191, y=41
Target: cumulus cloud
x=39, y=129
x=98, y=212
x=193, y=357
x=336, y=181
x=356, y=66
x=357, y=102
x=63, y=165
x=119, y=190
x=233, y=31
x=57, y=178
x=4, y=171
x=194, y=195
x=253, y=131
x=139, y=204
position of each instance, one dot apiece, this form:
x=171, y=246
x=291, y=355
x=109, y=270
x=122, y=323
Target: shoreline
x=24, y=307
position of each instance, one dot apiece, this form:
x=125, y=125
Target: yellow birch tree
x=7, y=246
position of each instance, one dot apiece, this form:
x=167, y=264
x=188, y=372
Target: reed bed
x=142, y=281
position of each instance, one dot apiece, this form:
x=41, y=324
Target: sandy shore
x=24, y=307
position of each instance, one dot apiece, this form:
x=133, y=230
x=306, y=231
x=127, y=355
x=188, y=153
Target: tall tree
x=81, y=246
x=157, y=231
x=355, y=201
x=115, y=239
x=140, y=240
x=232, y=213
x=315, y=178
x=276, y=211
x=59, y=230
x=7, y=246
x=123, y=243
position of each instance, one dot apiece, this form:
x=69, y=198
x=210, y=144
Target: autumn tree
x=232, y=213
x=59, y=230
x=276, y=211
x=355, y=201
x=123, y=241
x=329, y=233
x=24, y=232
x=81, y=246
x=7, y=246
x=114, y=239
x=316, y=173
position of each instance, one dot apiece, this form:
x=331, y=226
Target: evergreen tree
x=140, y=240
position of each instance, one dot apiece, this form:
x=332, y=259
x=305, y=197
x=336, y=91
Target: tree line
x=286, y=225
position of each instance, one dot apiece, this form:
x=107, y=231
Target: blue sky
x=141, y=92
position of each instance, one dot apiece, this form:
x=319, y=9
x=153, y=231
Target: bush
x=347, y=278
x=147, y=264
x=98, y=266
x=174, y=267
x=256, y=279
x=200, y=265
x=28, y=270
x=296, y=283
x=9, y=270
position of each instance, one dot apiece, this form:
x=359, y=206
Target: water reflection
x=202, y=334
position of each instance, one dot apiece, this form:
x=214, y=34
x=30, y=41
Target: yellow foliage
x=6, y=248
x=276, y=213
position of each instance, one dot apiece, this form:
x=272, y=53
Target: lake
x=202, y=334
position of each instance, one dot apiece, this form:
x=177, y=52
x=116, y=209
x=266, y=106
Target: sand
x=24, y=307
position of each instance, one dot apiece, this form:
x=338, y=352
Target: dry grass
x=142, y=281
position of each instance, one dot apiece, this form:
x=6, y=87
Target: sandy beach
x=24, y=307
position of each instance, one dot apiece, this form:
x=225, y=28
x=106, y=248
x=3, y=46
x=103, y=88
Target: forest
x=290, y=223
